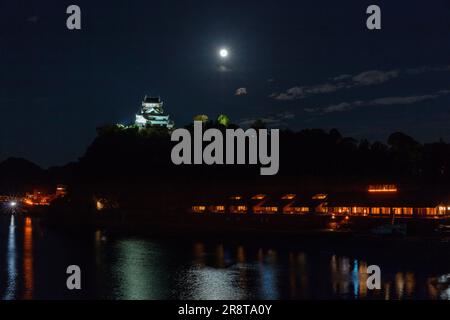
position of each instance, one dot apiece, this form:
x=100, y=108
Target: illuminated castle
x=152, y=114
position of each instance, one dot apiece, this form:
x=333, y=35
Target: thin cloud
x=223, y=68
x=366, y=78
x=33, y=19
x=348, y=81
x=276, y=120
x=425, y=69
x=385, y=101
x=373, y=77
x=296, y=93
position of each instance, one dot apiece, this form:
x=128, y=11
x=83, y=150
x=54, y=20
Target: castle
x=152, y=114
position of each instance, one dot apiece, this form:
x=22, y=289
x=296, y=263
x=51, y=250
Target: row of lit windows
x=340, y=210
x=387, y=210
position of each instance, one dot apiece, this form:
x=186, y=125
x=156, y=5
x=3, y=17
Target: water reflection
x=139, y=268
x=11, y=258
x=28, y=273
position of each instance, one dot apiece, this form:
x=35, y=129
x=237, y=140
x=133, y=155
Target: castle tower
x=152, y=114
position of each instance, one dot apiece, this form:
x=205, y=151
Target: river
x=34, y=260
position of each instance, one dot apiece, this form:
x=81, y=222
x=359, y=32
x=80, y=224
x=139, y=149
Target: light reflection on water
x=139, y=268
x=28, y=272
x=11, y=258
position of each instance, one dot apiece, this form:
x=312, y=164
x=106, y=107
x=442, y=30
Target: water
x=33, y=264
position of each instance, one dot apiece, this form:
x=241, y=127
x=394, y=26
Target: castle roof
x=148, y=99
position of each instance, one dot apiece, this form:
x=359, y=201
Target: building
x=237, y=204
x=304, y=204
x=152, y=114
x=376, y=201
x=44, y=198
x=388, y=200
x=61, y=190
x=275, y=204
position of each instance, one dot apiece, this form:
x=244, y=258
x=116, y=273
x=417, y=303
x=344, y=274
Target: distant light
x=259, y=197
x=223, y=53
x=13, y=204
x=383, y=188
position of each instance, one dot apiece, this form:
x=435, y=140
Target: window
x=238, y=209
x=218, y=209
x=408, y=211
x=199, y=209
x=301, y=209
x=376, y=210
x=343, y=210
x=360, y=210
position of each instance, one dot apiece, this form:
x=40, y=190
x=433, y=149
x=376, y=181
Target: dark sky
x=303, y=63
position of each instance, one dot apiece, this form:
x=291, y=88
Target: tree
x=223, y=120
x=201, y=117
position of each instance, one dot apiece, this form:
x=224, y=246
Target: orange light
x=199, y=209
x=259, y=197
x=288, y=196
x=383, y=188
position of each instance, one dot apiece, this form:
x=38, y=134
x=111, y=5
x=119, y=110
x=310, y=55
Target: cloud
x=402, y=100
x=373, y=77
x=425, y=69
x=345, y=81
x=275, y=120
x=241, y=92
x=33, y=19
x=342, y=77
x=348, y=81
x=343, y=106
x=385, y=101
x=296, y=93
x=223, y=68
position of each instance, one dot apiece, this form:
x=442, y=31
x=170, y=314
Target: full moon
x=223, y=53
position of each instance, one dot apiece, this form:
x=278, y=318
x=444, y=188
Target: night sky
x=297, y=64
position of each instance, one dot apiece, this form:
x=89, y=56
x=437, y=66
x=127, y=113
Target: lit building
x=388, y=200
x=376, y=201
x=238, y=205
x=307, y=204
x=152, y=114
x=43, y=198
x=272, y=205
x=61, y=190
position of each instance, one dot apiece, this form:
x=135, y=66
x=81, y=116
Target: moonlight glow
x=223, y=53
